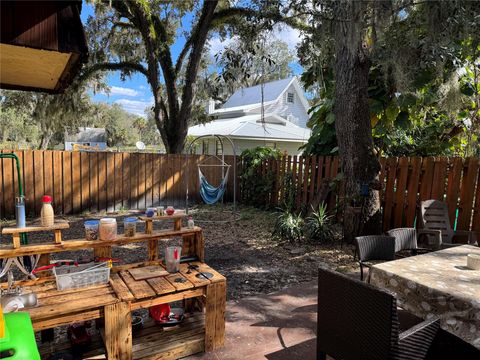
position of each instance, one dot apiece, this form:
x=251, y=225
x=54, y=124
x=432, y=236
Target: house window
x=290, y=97
x=218, y=148
x=271, y=145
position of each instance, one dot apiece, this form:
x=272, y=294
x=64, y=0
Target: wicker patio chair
x=357, y=321
x=406, y=240
x=434, y=216
x=373, y=249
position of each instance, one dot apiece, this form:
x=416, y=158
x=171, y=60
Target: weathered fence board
x=405, y=183
x=98, y=181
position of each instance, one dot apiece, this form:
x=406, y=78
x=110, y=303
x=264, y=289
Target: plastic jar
x=47, y=217
x=108, y=229
x=91, y=229
x=129, y=226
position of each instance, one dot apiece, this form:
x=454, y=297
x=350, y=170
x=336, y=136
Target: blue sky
x=134, y=94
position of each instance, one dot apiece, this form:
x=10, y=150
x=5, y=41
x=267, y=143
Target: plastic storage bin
x=91, y=229
x=73, y=277
x=129, y=226
x=108, y=229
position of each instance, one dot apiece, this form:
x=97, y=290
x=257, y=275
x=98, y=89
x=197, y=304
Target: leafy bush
x=318, y=226
x=289, y=226
x=256, y=188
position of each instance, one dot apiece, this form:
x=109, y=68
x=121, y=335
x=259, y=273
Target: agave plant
x=289, y=226
x=318, y=226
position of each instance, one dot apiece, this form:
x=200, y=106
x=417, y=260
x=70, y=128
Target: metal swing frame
x=223, y=165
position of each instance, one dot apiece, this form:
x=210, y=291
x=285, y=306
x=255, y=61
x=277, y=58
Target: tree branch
x=224, y=16
x=124, y=65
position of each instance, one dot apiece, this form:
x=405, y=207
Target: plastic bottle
x=20, y=211
x=47, y=216
x=190, y=223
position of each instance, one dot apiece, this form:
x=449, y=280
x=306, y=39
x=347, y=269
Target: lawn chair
x=374, y=249
x=406, y=240
x=434, y=216
x=359, y=321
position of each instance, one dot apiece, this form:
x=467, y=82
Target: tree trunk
x=44, y=141
x=352, y=120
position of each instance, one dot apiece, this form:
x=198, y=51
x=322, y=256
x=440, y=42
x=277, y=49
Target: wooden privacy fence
x=406, y=182
x=96, y=181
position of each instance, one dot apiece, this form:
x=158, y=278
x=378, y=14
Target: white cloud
x=117, y=90
x=289, y=35
x=134, y=106
x=217, y=45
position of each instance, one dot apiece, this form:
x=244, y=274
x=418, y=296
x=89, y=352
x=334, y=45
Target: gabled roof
x=251, y=127
x=251, y=97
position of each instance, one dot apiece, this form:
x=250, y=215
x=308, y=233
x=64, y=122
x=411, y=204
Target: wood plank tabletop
x=129, y=289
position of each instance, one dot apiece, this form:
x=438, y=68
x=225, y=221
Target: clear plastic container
x=108, y=229
x=172, y=258
x=72, y=277
x=130, y=226
x=91, y=229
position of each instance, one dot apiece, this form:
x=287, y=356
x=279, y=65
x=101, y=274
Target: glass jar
x=108, y=229
x=160, y=211
x=150, y=212
x=91, y=229
x=170, y=210
x=130, y=227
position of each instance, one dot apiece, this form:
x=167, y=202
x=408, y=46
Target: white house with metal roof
x=284, y=123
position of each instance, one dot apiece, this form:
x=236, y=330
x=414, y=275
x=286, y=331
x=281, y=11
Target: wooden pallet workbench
x=166, y=289
x=114, y=301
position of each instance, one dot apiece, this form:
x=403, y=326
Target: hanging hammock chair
x=211, y=194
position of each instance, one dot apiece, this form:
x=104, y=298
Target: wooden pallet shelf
x=155, y=342
x=56, y=228
x=32, y=249
x=176, y=217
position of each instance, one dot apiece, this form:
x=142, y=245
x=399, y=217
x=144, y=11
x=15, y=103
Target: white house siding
x=296, y=109
x=284, y=108
x=291, y=148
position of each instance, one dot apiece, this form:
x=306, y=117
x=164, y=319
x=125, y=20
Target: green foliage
x=256, y=187
x=323, y=140
x=318, y=226
x=289, y=190
x=250, y=62
x=289, y=226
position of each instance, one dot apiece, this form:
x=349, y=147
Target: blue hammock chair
x=211, y=194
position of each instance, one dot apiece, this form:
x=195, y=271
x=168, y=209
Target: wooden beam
x=118, y=331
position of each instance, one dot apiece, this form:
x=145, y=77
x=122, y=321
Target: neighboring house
x=285, y=116
x=89, y=139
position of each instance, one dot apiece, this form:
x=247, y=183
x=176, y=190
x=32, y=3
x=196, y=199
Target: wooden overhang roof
x=42, y=44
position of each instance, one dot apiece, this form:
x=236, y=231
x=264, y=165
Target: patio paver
x=276, y=326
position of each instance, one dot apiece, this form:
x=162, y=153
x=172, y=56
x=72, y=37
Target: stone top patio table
x=438, y=283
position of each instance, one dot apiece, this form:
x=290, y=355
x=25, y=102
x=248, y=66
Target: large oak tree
x=137, y=36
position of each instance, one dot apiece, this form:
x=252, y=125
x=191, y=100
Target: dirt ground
x=239, y=246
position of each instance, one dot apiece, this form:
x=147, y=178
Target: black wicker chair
x=373, y=249
x=406, y=240
x=360, y=322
